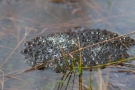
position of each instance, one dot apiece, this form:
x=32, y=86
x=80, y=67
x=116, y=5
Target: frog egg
x=24, y=51
x=28, y=43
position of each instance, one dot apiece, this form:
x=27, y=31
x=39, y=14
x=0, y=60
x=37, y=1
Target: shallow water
x=40, y=17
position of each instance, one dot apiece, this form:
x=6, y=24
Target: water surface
x=23, y=20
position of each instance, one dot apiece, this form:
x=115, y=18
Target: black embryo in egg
x=44, y=48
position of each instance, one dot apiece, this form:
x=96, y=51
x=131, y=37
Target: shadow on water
x=22, y=20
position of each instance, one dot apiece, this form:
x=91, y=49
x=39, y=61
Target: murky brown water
x=23, y=20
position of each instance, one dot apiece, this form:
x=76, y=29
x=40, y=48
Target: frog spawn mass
x=42, y=49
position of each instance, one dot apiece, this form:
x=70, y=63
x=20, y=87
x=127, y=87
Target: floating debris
x=99, y=51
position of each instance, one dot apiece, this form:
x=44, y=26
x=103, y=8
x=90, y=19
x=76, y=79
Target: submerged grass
x=100, y=84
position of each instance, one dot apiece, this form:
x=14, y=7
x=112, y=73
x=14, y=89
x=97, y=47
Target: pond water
x=22, y=20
